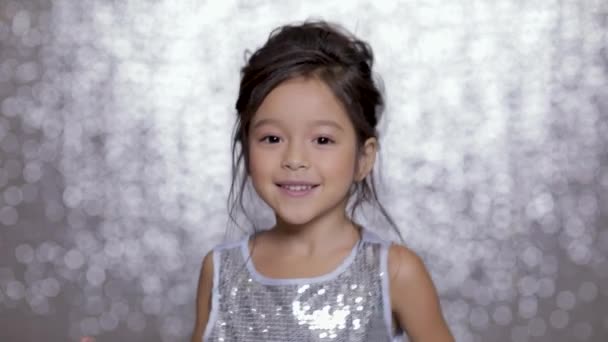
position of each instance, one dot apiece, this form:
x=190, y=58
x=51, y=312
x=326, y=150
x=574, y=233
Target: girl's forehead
x=301, y=100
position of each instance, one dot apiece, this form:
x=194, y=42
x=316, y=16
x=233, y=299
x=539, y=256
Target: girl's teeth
x=298, y=187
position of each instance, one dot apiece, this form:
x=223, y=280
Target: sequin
x=346, y=306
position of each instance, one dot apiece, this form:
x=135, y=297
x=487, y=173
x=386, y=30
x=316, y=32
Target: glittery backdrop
x=115, y=122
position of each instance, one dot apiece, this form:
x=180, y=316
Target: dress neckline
x=344, y=264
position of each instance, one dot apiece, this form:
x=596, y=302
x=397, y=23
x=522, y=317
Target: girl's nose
x=295, y=158
x=295, y=164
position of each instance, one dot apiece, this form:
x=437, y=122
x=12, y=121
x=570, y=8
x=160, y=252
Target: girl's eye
x=324, y=141
x=271, y=139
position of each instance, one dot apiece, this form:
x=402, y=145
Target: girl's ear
x=367, y=158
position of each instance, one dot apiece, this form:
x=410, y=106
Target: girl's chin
x=293, y=216
x=295, y=221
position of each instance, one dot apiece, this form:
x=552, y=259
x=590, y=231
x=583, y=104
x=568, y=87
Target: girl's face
x=303, y=152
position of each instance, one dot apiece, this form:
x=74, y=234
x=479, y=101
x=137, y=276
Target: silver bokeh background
x=115, y=122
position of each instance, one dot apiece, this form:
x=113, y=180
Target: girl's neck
x=325, y=234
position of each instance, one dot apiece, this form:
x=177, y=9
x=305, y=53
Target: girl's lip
x=296, y=183
x=292, y=193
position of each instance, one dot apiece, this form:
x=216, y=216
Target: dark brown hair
x=311, y=49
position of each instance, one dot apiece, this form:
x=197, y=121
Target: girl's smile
x=297, y=189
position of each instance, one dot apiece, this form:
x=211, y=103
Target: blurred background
x=115, y=123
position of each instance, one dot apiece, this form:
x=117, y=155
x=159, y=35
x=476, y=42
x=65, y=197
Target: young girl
x=306, y=139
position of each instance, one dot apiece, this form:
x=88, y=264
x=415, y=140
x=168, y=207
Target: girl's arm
x=414, y=300
x=203, y=297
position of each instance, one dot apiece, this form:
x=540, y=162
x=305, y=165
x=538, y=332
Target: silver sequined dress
x=351, y=303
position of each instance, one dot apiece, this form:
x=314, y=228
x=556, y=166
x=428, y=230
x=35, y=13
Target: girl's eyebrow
x=330, y=123
x=315, y=123
x=263, y=122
